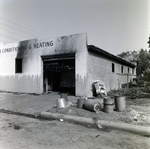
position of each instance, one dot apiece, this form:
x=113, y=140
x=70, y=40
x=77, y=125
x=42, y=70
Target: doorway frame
x=59, y=57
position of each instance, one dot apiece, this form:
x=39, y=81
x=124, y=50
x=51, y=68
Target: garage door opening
x=59, y=75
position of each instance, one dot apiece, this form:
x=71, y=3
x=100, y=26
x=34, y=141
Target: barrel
x=120, y=103
x=92, y=105
x=61, y=103
x=80, y=102
x=108, y=104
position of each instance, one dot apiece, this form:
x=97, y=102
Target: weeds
x=133, y=93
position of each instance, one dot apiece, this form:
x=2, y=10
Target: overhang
x=109, y=55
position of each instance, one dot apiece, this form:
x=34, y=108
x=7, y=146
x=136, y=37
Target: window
x=132, y=71
x=19, y=65
x=113, y=67
x=121, y=69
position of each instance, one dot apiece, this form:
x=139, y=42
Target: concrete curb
x=21, y=114
x=141, y=130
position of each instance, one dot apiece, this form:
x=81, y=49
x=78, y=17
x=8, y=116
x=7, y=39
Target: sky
x=115, y=26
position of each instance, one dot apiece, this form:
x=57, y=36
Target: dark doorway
x=59, y=74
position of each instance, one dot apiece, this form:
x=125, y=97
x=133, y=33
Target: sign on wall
x=28, y=46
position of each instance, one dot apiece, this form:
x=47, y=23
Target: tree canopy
x=140, y=58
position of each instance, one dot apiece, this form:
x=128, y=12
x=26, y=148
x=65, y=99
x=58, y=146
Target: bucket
x=120, y=103
x=80, y=102
x=92, y=105
x=108, y=104
x=61, y=103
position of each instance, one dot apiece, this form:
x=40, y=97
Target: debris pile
x=106, y=104
x=139, y=117
x=98, y=88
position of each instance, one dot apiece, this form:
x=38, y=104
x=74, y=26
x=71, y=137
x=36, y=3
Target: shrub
x=136, y=92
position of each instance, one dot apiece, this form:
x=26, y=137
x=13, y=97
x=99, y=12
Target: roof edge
x=109, y=55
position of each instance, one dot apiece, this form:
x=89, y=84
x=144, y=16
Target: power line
x=12, y=32
x=16, y=29
x=9, y=37
x=2, y=39
x=22, y=27
x=6, y=40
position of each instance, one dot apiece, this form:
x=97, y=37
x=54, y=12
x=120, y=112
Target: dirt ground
x=30, y=133
x=137, y=112
x=26, y=133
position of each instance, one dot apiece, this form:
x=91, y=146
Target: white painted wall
x=31, y=78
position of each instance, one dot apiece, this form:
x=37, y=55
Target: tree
x=128, y=56
x=140, y=58
x=144, y=57
x=147, y=75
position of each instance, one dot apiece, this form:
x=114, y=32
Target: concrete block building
x=64, y=63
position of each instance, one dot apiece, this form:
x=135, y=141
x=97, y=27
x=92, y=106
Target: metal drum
x=80, y=103
x=92, y=105
x=108, y=104
x=61, y=103
x=120, y=103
